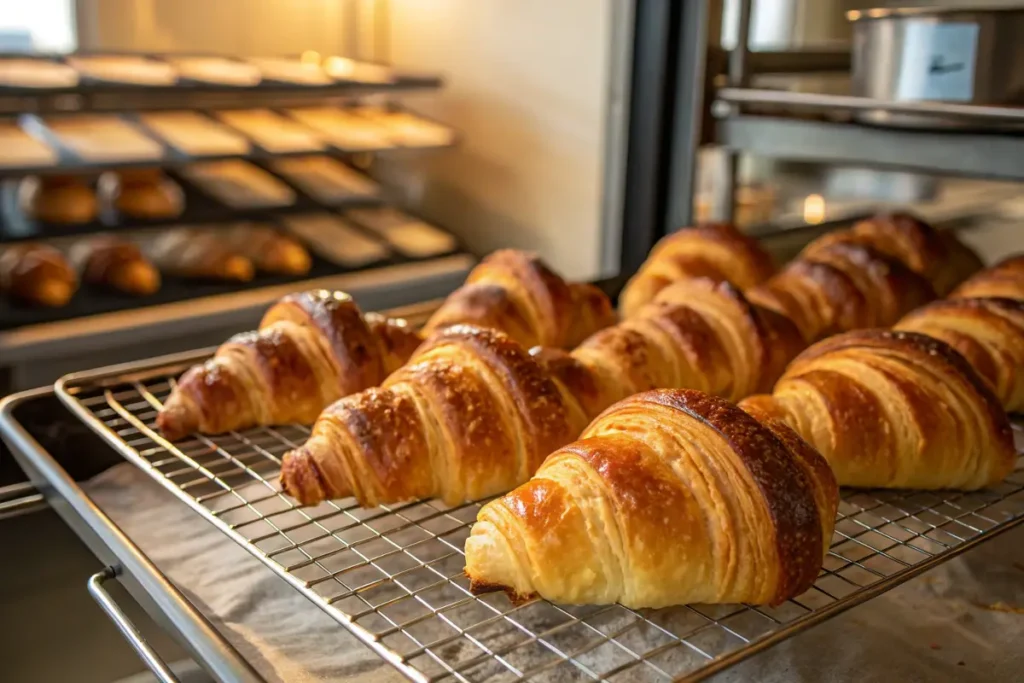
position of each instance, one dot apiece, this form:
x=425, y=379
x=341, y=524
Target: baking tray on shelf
x=69, y=162
x=200, y=208
x=393, y=576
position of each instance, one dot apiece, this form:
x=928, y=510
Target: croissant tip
x=175, y=421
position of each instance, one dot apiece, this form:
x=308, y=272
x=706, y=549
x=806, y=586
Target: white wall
x=233, y=27
x=528, y=86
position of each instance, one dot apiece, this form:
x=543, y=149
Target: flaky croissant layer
x=311, y=349
x=988, y=332
x=471, y=414
x=517, y=293
x=893, y=410
x=670, y=497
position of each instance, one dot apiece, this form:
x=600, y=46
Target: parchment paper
x=947, y=625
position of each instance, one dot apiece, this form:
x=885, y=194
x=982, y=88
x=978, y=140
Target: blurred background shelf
x=210, y=314
x=995, y=155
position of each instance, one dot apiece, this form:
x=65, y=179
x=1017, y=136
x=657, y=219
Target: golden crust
x=311, y=349
x=1004, y=280
x=894, y=409
x=939, y=257
x=470, y=415
x=517, y=293
x=749, y=508
x=717, y=251
x=988, y=333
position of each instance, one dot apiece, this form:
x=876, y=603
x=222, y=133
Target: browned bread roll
x=270, y=250
x=718, y=251
x=893, y=410
x=109, y=261
x=143, y=193
x=1005, y=279
x=515, y=292
x=470, y=415
x=199, y=254
x=942, y=259
x=696, y=334
x=59, y=199
x=36, y=274
x=311, y=349
x=841, y=287
x=668, y=498
x=989, y=333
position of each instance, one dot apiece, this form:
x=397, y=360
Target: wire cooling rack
x=394, y=576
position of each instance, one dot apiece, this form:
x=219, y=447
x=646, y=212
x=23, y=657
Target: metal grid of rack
x=394, y=576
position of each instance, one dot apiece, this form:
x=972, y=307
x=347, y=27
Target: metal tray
x=393, y=575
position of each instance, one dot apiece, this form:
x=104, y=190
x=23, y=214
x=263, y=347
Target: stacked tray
x=61, y=143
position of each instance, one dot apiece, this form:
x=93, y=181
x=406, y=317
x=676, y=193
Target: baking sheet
x=960, y=621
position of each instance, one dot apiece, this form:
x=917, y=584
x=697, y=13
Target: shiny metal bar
x=109, y=543
x=799, y=100
x=149, y=656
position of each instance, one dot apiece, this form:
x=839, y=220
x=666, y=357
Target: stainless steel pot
x=940, y=54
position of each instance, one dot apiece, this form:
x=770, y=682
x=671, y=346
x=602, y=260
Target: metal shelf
x=960, y=153
x=98, y=96
x=374, y=288
x=981, y=152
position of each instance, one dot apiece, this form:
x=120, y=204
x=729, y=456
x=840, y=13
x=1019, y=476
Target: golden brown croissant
x=893, y=410
x=199, y=254
x=989, y=333
x=270, y=250
x=942, y=259
x=143, y=193
x=696, y=334
x=311, y=349
x=840, y=287
x=109, y=261
x=59, y=199
x=516, y=292
x=1005, y=279
x=470, y=415
x=670, y=497
x=36, y=274
x=716, y=250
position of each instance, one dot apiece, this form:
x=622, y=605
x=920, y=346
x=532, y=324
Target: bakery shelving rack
x=98, y=320
x=91, y=95
x=821, y=128
x=393, y=575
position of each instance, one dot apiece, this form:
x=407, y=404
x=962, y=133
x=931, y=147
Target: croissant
x=942, y=259
x=470, y=415
x=269, y=250
x=198, y=254
x=1005, y=279
x=59, y=199
x=840, y=287
x=36, y=274
x=311, y=349
x=112, y=262
x=516, y=292
x=142, y=193
x=717, y=251
x=670, y=497
x=989, y=333
x=893, y=410
x=696, y=334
